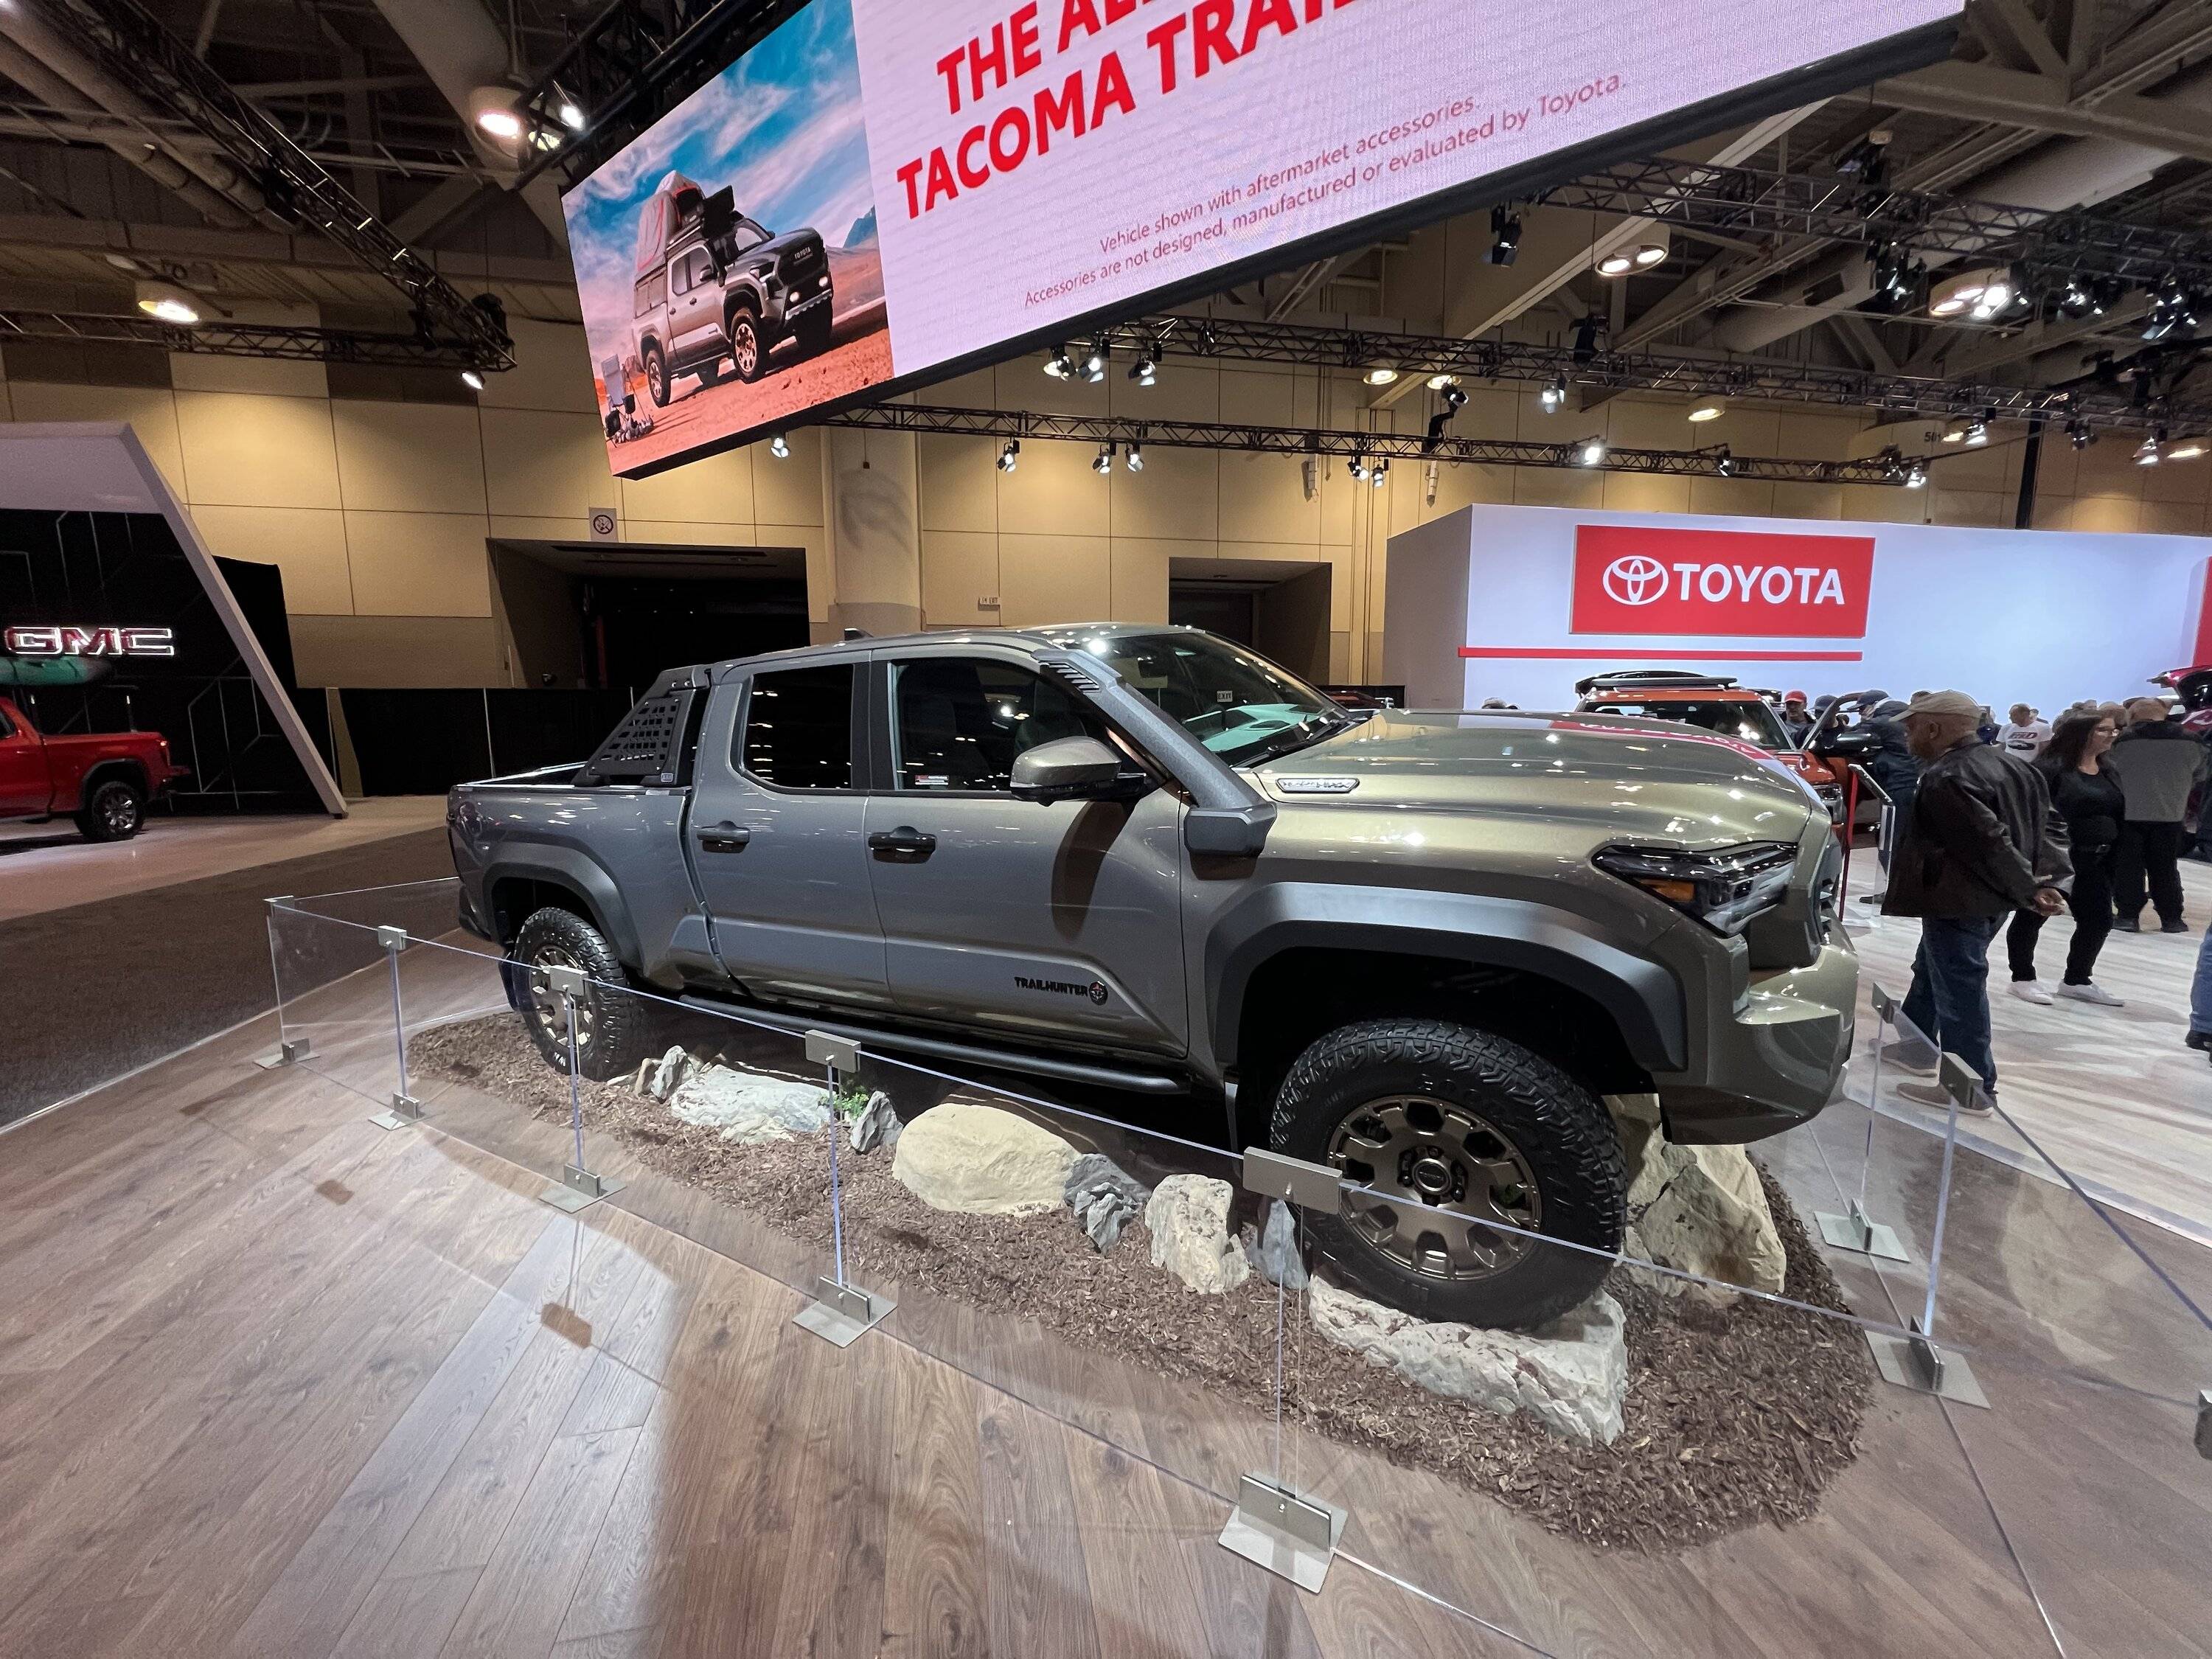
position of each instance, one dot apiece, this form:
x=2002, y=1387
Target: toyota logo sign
x=1635, y=579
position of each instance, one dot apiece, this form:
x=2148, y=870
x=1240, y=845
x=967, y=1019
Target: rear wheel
x=114, y=811
x=748, y=345
x=610, y=1022
x=1466, y=1145
x=656, y=376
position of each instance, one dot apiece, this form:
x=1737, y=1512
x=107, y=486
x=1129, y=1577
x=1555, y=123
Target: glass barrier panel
x=334, y=992
x=426, y=909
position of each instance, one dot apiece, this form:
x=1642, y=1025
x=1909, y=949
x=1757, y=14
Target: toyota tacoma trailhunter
x=1423, y=948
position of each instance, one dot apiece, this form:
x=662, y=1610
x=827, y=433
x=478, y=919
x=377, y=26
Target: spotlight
x=1724, y=462
x=2147, y=453
x=1438, y=382
x=1453, y=398
x=1060, y=366
x=169, y=302
x=1135, y=459
x=571, y=117
x=2171, y=309
x=2079, y=433
x=1916, y=476
x=472, y=380
x=503, y=124
x=1145, y=370
x=1984, y=292
x=1376, y=473
x=1381, y=376
x=1977, y=433
x=1504, y=236
x=1554, y=394
x=1010, y=457
x=1094, y=366
x=780, y=448
x=1617, y=264
x=2075, y=298
x=1589, y=452
x=1103, y=463
x=1357, y=466
x=1650, y=254
x=1706, y=411
x=1586, y=333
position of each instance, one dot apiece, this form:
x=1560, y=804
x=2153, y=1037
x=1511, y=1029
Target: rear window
x=799, y=728
x=1746, y=722
x=652, y=292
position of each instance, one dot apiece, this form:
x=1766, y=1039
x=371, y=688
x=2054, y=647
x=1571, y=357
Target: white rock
x=1188, y=1217
x=979, y=1160
x=1702, y=1210
x=745, y=1107
x=1571, y=1375
x=666, y=1073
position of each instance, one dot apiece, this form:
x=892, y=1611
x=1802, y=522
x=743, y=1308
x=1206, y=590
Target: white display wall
x=1519, y=602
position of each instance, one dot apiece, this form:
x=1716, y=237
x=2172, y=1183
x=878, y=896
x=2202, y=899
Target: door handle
x=724, y=838
x=903, y=842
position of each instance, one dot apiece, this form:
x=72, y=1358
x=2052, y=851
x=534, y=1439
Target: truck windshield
x=1236, y=702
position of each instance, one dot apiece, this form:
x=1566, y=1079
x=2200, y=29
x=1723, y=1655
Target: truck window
x=959, y=721
x=799, y=728
x=679, y=277
x=7, y=725
x=746, y=237
x=652, y=292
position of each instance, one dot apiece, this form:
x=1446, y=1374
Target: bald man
x=1980, y=841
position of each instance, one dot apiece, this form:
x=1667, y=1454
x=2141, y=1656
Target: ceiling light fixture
x=1357, y=466
x=169, y=302
x=1377, y=474
x=1135, y=459
x=1970, y=290
x=1060, y=366
x=780, y=447
x=1617, y=264
x=1505, y=235
x=1381, y=376
x=571, y=117
x=472, y=380
x=1438, y=382
x=1916, y=474
x=1705, y=411
x=1103, y=462
x=1146, y=370
x=1094, y=366
x=1589, y=452
x=1010, y=457
x=1554, y=394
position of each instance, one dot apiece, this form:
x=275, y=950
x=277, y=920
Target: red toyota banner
x=1638, y=578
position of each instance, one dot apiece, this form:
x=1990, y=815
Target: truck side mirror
x=1067, y=769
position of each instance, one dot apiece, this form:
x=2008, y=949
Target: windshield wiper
x=1310, y=730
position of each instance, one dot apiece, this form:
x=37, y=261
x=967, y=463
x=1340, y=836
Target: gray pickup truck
x=1424, y=948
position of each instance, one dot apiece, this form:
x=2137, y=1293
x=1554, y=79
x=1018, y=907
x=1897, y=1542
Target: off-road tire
x=656, y=376
x=613, y=1028
x=1562, y=1133
x=748, y=344
x=116, y=810
x=814, y=329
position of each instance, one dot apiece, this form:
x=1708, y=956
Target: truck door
x=24, y=787
x=779, y=839
x=1048, y=921
x=695, y=301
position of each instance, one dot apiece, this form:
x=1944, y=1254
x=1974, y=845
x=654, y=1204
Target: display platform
x=1733, y=1474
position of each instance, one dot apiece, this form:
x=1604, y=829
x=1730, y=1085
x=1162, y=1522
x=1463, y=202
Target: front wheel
x=115, y=811
x=611, y=1020
x=748, y=345
x=1468, y=1148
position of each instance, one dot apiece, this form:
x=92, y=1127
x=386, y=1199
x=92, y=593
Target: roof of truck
x=1051, y=637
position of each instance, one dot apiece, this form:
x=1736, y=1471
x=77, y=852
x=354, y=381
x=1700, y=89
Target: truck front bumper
x=1777, y=1061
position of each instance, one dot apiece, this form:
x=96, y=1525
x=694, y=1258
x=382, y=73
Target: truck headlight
x=1724, y=888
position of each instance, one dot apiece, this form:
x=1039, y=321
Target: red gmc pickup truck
x=101, y=779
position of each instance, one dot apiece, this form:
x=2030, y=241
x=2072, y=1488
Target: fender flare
x=580, y=876
x=133, y=772
x=1642, y=996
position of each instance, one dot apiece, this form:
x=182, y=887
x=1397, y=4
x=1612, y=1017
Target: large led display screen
x=880, y=189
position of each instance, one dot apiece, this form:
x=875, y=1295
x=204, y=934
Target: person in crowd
x=2025, y=733
x=2157, y=764
x=1980, y=841
x=2085, y=795
x=1893, y=765
x=2200, y=999
x=1796, y=717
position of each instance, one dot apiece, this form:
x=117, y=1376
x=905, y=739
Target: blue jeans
x=1949, y=1000
x=2200, y=989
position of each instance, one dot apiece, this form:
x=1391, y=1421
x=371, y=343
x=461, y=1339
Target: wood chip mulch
x=1733, y=1418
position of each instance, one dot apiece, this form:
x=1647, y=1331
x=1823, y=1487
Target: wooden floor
x=2110, y=1093
x=273, y=1381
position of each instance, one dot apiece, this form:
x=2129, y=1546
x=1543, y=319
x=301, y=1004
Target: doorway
x=1277, y=607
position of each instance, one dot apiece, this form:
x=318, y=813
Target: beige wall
x=379, y=512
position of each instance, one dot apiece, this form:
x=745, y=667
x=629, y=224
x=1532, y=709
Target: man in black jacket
x=1980, y=841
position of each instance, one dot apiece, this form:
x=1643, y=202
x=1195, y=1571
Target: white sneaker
x=2030, y=990
x=2094, y=993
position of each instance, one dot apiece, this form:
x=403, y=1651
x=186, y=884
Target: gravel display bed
x=1732, y=1419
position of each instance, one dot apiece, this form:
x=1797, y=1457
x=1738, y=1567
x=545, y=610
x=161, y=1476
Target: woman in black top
x=2089, y=798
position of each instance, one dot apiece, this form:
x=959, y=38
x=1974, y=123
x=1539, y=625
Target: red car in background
x=2193, y=686
x=101, y=779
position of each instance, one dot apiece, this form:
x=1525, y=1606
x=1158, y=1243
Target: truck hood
x=1652, y=778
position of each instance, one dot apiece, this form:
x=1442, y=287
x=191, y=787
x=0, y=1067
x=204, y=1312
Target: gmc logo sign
x=65, y=641
x=1632, y=579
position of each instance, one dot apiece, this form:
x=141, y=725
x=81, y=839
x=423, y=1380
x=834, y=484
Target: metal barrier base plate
x=1856, y=1233
x=578, y=1190
x=405, y=1112
x=290, y=1053
x=1292, y=1536
x=840, y=1313
x=1916, y=1363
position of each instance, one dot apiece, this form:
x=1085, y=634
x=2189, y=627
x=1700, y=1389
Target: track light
x=1709, y=410
x=1438, y=382
x=779, y=447
x=1381, y=376
x=1357, y=466
x=1135, y=459
x=2147, y=453
x=1977, y=433
x=1453, y=399
x=1094, y=366
x=1103, y=463
x=1504, y=236
x=1916, y=474
x=1724, y=462
x=169, y=302
x=2079, y=433
x=1589, y=452
x=1146, y=370
x=1060, y=365
x=1377, y=474
x=1010, y=457
x=2172, y=308
x=571, y=117
x=1554, y=394
x=472, y=380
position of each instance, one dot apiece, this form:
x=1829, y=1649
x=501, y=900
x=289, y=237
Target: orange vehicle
x=1713, y=702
